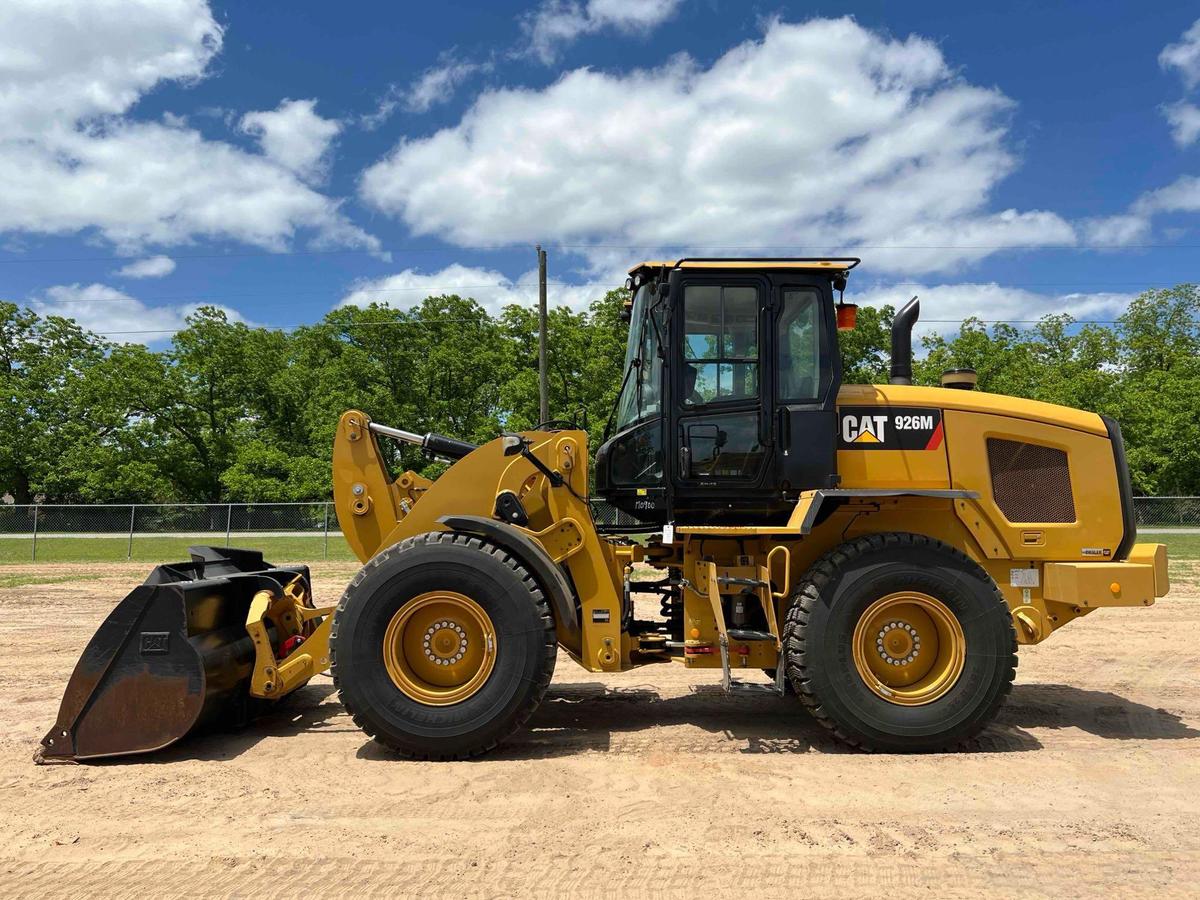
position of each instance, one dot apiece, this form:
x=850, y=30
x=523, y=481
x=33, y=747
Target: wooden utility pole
x=543, y=376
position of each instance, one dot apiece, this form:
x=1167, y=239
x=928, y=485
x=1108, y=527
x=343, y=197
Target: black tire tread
x=808, y=593
x=536, y=597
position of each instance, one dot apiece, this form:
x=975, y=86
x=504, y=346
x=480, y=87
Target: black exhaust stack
x=902, y=327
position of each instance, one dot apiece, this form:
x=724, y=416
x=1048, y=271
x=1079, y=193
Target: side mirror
x=512, y=443
x=663, y=289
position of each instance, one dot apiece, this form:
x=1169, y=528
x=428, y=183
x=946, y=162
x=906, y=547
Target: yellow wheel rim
x=909, y=648
x=440, y=648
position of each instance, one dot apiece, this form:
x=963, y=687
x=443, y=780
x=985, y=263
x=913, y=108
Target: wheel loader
x=879, y=551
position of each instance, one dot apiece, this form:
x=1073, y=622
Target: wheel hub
x=898, y=643
x=445, y=643
x=440, y=648
x=909, y=648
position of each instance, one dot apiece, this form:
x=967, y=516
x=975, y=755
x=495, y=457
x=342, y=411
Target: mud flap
x=171, y=658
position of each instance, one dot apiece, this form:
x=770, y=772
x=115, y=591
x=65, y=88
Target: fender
x=531, y=554
x=809, y=508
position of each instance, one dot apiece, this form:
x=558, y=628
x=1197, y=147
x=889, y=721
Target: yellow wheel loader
x=880, y=551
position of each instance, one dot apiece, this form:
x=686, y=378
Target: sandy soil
x=651, y=782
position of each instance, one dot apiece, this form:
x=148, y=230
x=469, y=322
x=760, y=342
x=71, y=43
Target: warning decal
x=889, y=428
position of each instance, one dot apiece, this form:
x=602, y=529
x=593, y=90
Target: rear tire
x=864, y=594
x=400, y=701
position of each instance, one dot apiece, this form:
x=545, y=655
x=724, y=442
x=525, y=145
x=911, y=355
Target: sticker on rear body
x=1023, y=578
x=889, y=428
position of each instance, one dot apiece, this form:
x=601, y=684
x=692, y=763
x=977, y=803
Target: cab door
x=806, y=374
x=722, y=429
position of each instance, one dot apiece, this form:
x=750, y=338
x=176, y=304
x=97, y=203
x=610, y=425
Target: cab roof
x=831, y=264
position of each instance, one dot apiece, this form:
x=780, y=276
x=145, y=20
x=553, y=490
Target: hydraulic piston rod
x=399, y=434
x=437, y=444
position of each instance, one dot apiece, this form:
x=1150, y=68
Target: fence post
x=326, y=556
x=132, y=513
x=35, y=524
x=228, y=521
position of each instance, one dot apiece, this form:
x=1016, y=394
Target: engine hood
x=971, y=401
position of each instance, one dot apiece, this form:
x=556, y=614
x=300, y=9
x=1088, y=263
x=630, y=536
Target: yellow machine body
x=1029, y=498
x=1049, y=572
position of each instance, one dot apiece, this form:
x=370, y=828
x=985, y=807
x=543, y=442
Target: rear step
x=762, y=588
x=178, y=653
x=746, y=634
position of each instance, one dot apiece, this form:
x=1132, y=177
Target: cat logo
x=889, y=428
x=864, y=429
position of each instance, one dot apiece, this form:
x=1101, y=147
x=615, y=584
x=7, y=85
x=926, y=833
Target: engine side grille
x=1030, y=483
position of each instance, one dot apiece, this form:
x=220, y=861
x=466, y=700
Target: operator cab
x=727, y=404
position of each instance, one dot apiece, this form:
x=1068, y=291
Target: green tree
x=585, y=351
x=53, y=414
x=233, y=412
x=1159, y=340
x=867, y=348
x=432, y=368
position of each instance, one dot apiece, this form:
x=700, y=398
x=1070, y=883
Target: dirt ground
x=651, y=782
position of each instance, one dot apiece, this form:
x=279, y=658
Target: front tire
x=900, y=643
x=442, y=646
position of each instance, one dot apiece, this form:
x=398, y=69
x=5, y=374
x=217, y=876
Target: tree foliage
x=233, y=412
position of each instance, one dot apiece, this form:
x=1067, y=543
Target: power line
x=649, y=248
x=433, y=290
x=441, y=290
x=436, y=322
x=1011, y=321
x=334, y=325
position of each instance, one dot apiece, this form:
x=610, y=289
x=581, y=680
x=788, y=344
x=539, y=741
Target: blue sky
x=278, y=159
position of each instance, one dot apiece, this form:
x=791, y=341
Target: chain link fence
x=83, y=533
x=285, y=531
x=1167, y=512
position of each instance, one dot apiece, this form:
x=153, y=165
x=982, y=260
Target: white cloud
x=434, y=86
x=146, y=183
x=114, y=314
x=151, y=267
x=1184, y=56
x=71, y=160
x=822, y=136
x=385, y=108
x=1113, y=232
x=294, y=136
x=437, y=85
x=1136, y=225
x=1181, y=195
x=557, y=23
x=489, y=288
x=944, y=306
x=66, y=61
x=1184, y=119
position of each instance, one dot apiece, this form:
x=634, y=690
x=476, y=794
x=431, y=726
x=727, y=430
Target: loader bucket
x=172, y=657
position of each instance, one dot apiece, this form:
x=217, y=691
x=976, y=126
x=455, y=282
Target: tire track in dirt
x=647, y=783
x=1115, y=874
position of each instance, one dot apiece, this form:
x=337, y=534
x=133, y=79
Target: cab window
x=720, y=347
x=798, y=342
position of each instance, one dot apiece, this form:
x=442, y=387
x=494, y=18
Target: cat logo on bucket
x=889, y=428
